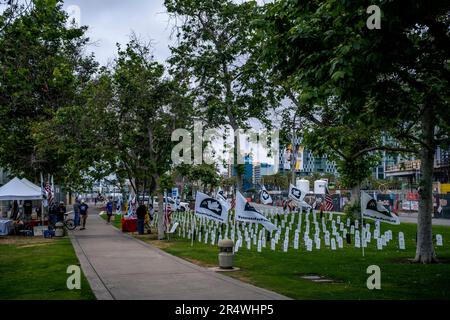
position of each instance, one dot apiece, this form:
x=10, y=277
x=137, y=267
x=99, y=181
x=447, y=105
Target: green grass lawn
x=116, y=222
x=35, y=268
x=281, y=272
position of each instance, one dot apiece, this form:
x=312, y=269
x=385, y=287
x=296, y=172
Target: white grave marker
x=333, y=244
x=379, y=244
x=357, y=242
x=285, y=246
x=318, y=244
x=401, y=241
x=309, y=245
x=340, y=243
x=439, y=241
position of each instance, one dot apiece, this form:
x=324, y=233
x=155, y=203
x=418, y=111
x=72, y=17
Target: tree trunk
x=425, y=250
x=160, y=217
x=161, y=212
x=237, y=155
x=356, y=194
x=293, y=173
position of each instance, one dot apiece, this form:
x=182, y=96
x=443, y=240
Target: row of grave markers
x=330, y=231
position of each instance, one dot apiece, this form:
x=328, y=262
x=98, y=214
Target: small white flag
x=265, y=196
x=210, y=208
x=247, y=213
x=371, y=209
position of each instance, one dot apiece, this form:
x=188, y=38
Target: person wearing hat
x=83, y=214
x=61, y=211
x=76, y=212
x=109, y=210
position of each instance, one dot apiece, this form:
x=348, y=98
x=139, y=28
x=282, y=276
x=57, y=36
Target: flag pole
x=362, y=224
x=42, y=203
x=193, y=230
x=165, y=210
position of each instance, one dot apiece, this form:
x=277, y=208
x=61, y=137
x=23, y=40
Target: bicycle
x=68, y=223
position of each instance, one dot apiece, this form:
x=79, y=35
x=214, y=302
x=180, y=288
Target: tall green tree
x=215, y=51
x=42, y=68
x=147, y=107
x=390, y=81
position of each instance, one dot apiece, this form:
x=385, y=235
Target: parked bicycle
x=68, y=223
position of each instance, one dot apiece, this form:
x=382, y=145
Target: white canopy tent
x=31, y=184
x=16, y=189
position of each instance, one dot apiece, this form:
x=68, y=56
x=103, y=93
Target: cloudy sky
x=112, y=21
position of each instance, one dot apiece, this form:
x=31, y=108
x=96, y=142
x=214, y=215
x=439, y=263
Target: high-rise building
x=307, y=163
x=248, y=176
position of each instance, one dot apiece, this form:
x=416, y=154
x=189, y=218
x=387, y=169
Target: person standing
x=61, y=212
x=140, y=213
x=53, y=214
x=83, y=214
x=76, y=212
x=109, y=210
x=27, y=209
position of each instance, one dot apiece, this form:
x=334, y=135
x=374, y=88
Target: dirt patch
x=200, y=263
x=157, y=243
x=24, y=241
x=35, y=245
x=317, y=278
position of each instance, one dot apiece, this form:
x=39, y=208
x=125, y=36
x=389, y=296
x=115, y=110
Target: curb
x=98, y=287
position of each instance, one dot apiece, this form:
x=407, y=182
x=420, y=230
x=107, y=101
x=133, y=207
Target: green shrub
x=352, y=211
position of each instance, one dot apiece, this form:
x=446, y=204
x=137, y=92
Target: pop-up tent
x=31, y=184
x=16, y=189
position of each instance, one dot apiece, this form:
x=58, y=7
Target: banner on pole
x=296, y=194
x=371, y=209
x=220, y=195
x=265, y=196
x=247, y=213
x=210, y=208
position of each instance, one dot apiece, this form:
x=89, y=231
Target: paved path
x=119, y=266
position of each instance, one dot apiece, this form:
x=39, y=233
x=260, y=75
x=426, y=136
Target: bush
x=352, y=211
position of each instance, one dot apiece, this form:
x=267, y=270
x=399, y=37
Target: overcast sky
x=112, y=21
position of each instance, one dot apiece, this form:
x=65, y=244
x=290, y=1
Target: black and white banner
x=220, y=195
x=296, y=194
x=211, y=208
x=371, y=209
x=265, y=196
x=247, y=213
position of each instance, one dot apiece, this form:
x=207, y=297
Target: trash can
x=226, y=254
x=59, y=229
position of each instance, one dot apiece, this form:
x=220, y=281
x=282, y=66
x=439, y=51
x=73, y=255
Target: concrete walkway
x=119, y=266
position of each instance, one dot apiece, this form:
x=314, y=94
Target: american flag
x=48, y=190
x=328, y=200
x=167, y=217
